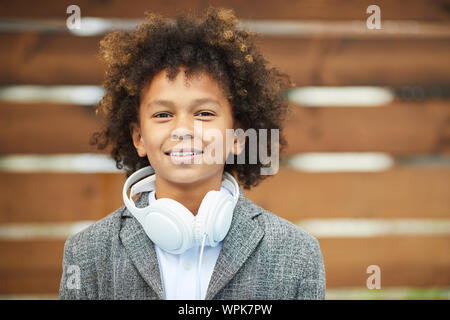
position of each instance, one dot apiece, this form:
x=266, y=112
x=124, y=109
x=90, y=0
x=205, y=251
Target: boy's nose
x=186, y=127
x=182, y=132
x=183, y=127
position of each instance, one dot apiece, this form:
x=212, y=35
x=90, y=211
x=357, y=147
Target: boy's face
x=168, y=111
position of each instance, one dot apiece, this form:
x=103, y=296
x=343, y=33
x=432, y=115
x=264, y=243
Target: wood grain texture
x=401, y=192
x=253, y=9
x=54, y=197
x=49, y=59
x=404, y=261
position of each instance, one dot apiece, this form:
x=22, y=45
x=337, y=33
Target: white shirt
x=179, y=271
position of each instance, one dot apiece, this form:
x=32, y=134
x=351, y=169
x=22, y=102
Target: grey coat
x=263, y=257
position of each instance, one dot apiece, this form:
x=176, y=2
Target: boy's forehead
x=200, y=85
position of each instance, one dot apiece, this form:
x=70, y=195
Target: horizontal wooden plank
x=266, y=9
x=25, y=255
x=62, y=197
x=344, y=61
x=403, y=261
x=34, y=58
x=402, y=192
x=391, y=129
x=30, y=282
x=30, y=267
x=61, y=128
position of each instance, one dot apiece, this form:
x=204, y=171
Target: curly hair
x=213, y=43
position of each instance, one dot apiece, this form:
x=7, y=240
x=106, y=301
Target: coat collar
x=235, y=251
x=140, y=248
x=241, y=240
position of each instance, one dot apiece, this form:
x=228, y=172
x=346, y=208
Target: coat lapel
x=241, y=240
x=140, y=248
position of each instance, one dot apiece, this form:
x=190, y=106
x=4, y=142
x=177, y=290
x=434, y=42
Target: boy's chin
x=187, y=175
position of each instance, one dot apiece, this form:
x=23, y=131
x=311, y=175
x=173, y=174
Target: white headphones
x=170, y=225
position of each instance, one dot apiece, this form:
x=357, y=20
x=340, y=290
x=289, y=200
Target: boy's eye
x=167, y=115
x=205, y=113
x=162, y=115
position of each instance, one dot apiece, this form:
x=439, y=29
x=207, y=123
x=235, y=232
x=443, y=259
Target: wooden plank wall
x=402, y=128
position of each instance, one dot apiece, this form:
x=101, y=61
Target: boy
x=191, y=233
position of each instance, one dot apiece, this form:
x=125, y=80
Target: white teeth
x=183, y=153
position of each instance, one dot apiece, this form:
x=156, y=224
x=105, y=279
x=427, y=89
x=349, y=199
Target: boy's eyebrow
x=193, y=104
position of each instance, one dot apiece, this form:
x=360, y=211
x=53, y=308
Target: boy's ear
x=138, y=142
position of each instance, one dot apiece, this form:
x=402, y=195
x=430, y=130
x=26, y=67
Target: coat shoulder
x=94, y=239
x=290, y=246
x=283, y=235
x=279, y=228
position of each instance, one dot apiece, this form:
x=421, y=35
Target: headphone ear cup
x=169, y=225
x=215, y=213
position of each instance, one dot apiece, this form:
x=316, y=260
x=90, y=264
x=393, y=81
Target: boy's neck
x=189, y=195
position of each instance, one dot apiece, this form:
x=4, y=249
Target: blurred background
x=367, y=170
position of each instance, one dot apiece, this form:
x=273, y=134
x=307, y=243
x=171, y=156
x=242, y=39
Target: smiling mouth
x=183, y=153
x=184, y=157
